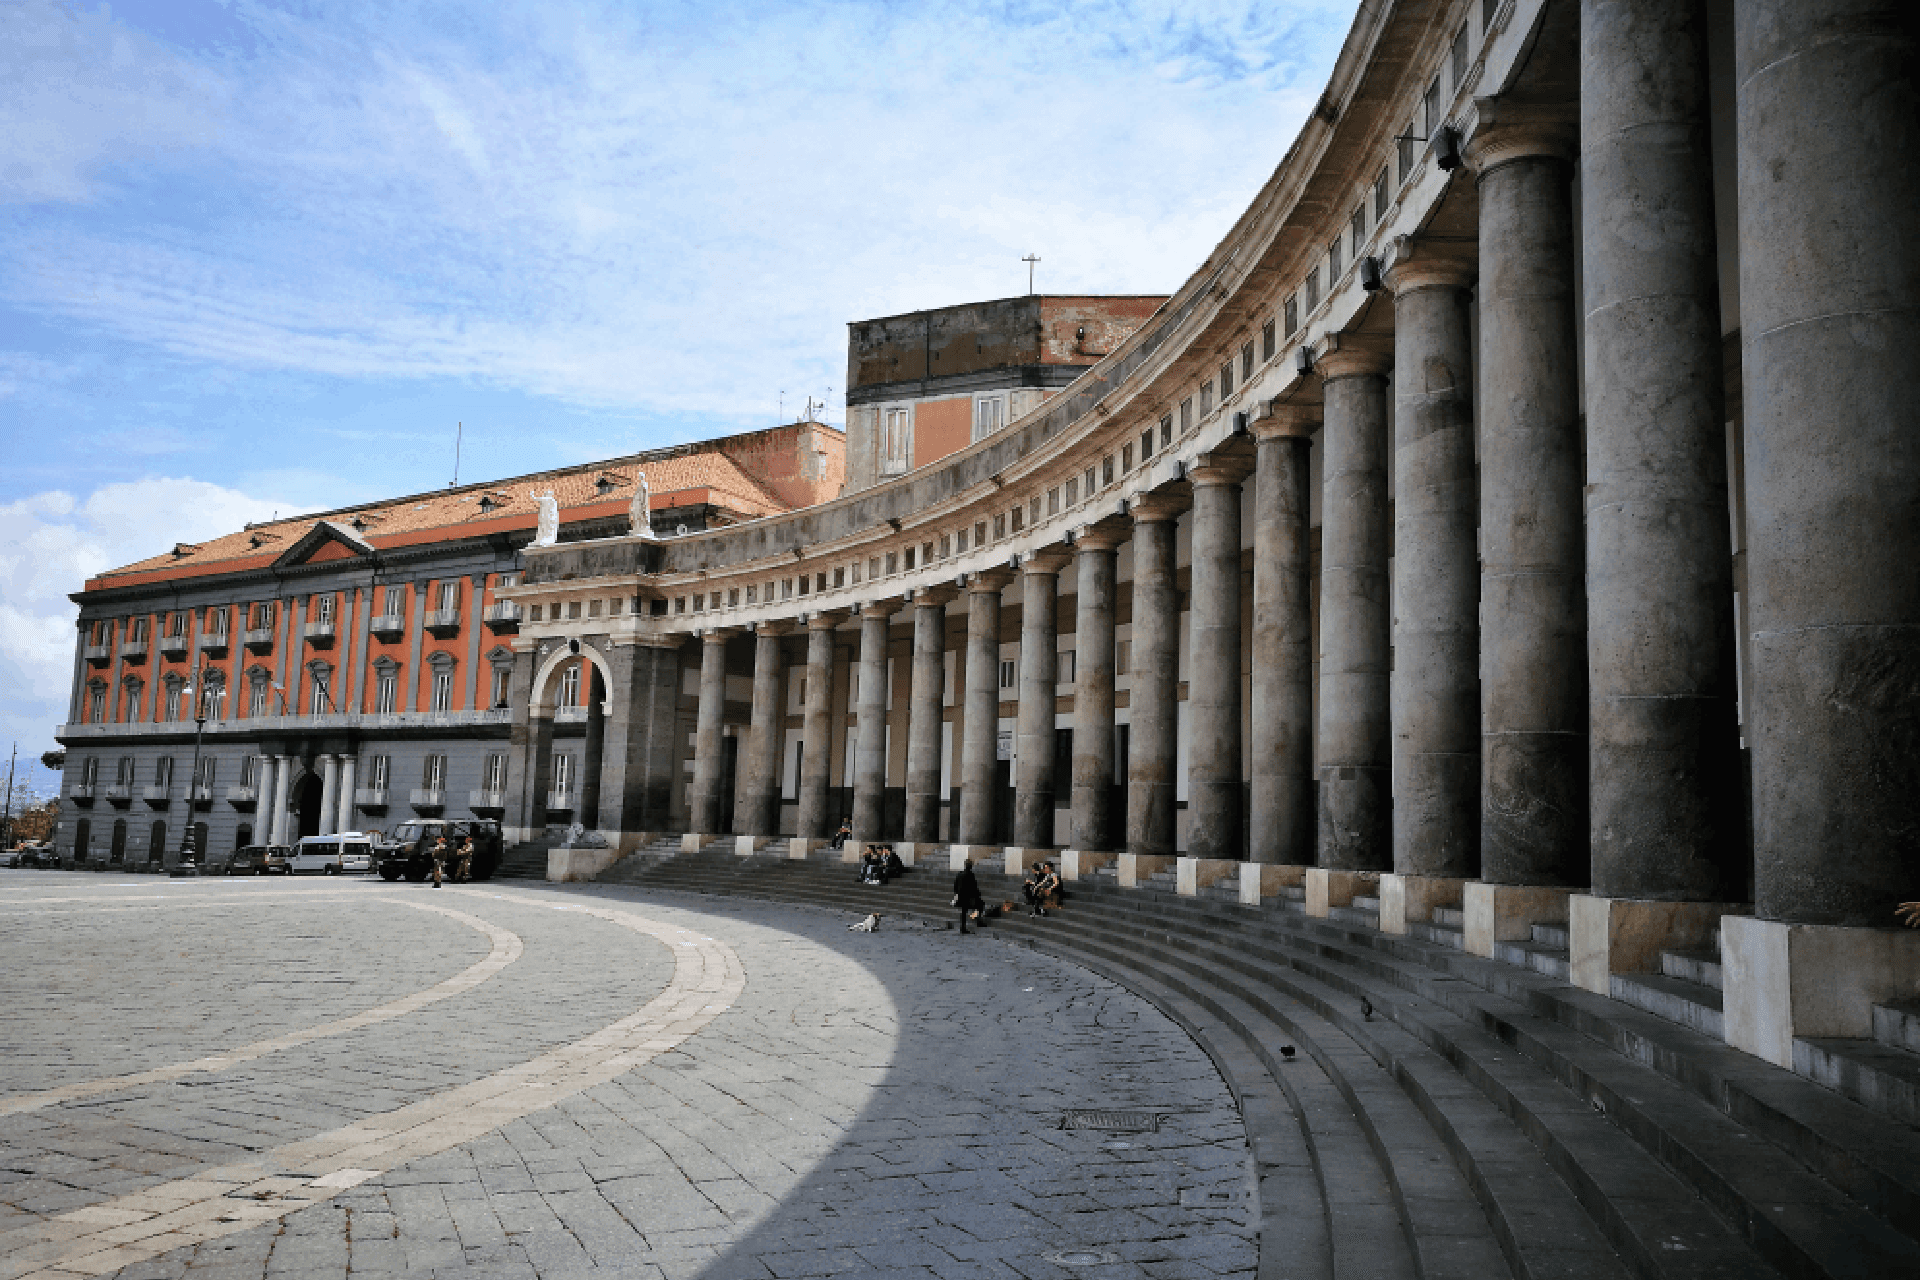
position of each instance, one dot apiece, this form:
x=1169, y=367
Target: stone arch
x=540, y=697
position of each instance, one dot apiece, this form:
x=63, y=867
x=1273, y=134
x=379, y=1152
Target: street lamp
x=189, y=863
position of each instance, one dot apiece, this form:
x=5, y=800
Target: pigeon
x=867, y=925
x=1287, y=1052
x=1366, y=1009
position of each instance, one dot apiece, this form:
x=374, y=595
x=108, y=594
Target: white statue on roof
x=640, y=510
x=547, y=532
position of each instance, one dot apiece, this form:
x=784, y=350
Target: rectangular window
x=1206, y=397
x=216, y=702
x=1073, y=491
x=449, y=595
x=259, y=698
x=839, y=580
x=378, y=770
x=1146, y=445
x=1122, y=651
x=700, y=603
x=563, y=774
x=999, y=527
x=873, y=567
x=171, y=711
x=1291, y=314
x=433, y=774
x=1019, y=519
x=123, y=772
x=979, y=533
x=1166, y=432
x=320, y=697
x=896, y=439
x=1053, y=501
x=909, y=559
x=1007, y=674
x=1064, y=675
x=946, y=549
x=573, y=608
x=733, y=597
x=1126, y=458
x=496, y=772
x=1380, y=197
x=205, y=780
x=1186, y=415
x=442, y=690
x=1430, y=110
x=533, y=613
x=386, y=692
x=323, y=608
x=1403, y=147
x=1334, y=266
x=1269, y=341
x=593, y=608
x=989, y=415
x=1226, y=381
x=1459, y=58
x=96, y=706
x=1106, y=471
x=1033, y=510
x=396, y=602
x=926, y=554
x=502, y=682
x=960, y=542
x=163, y=771
x=138, y=631
x=1246, y=360
x=820, y=579
x=1357, y=230
x=1313, y=289
x=248, y=766
x=176, y=624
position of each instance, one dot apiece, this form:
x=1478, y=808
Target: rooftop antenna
x=459, y=430
x=1030, y=260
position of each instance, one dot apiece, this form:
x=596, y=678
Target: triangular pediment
x=325, y=541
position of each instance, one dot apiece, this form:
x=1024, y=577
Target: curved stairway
x=1445, y=1115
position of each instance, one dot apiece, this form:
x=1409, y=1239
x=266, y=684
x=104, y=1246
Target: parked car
x=258, y=860
x=409, y=851
x=10, y=857
x=344, y=853
x=36, y=855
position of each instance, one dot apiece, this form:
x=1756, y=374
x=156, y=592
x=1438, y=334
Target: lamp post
x=189, y=863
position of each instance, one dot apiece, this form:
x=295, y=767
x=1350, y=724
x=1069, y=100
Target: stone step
x=1355, y=915
x=1450, y=918
x=1896, y=1024
x=1701, y=967
x=1552, y=935
x=1440, y=934
x=1875, y=1075
x=1363, y=903
x=1541, y=957
x=1691, y=1004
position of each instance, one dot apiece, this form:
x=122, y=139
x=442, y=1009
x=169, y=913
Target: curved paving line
x=707, y=978
x=506, y=948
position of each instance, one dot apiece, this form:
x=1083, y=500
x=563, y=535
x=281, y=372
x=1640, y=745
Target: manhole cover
x=1081, y=1258
x=1112, y=1121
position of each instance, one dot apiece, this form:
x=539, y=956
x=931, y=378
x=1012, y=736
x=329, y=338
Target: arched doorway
x=83, y=840
x=117, y=851
x=306, y=805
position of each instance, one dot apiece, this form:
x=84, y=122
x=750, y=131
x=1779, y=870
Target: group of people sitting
x=879, y=864
x=1042, y=888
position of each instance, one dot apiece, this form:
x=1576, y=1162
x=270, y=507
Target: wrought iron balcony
x=259, y=639
x=81, y=793
x=388, y=626
x=99, y=654
x=503, y=616
x=242, y=797
x=213, y=642
x=119, y=794
x=559, y=802
x=443, y=622
x=370, y=798
x=156, y=795
x=131, y=650
x=320, y=634
x=427, y=798
x=173, y=646
x=479, y=800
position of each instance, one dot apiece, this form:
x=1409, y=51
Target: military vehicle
x=408, y=849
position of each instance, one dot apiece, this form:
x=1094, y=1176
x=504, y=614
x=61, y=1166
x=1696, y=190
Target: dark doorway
x=729, y=763
x=83, y=840
x=117, y=851
x=307, y=804
x=157, y=842
x=200, y=841
x=243, y=836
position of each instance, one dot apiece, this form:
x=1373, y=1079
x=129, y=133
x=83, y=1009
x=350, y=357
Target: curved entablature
x=1374, y=172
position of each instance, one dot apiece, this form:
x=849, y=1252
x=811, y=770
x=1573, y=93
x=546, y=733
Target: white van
x=349, y=852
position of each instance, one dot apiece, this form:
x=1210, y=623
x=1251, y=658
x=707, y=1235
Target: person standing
x=439, y=860
x=966, y=895
x=463, y=867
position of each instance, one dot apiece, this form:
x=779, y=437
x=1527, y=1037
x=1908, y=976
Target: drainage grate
x=1112, y=1121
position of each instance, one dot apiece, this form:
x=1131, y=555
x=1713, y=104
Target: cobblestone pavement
x=321, y=1078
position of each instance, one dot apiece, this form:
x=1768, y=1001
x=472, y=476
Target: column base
x=1508, y=912
x=1079, y=864
x=800, y=848
x=1787, y=982
x=1327, y=888
x=569, y=866
x=914, y=852
x=1606, y=936
x=1020, y=859
x=980, y=855
x=747, y=846
x=1191, y=875
x=1260, y=880
x=694, y=841
x=1406, y=900
x=1137, y=868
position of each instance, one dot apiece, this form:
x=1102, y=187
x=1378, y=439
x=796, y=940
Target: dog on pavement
x=867, y=925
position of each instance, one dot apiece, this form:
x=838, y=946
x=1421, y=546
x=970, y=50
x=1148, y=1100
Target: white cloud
x=52, y=542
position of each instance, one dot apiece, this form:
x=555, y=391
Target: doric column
x=703, y=793
x=870, y=742
x=925, y=712
x=329, y=794
x=1830, y=322
x=1354, y=756
x=1666, y=819
x=1034, y=783
x=980, y=722
x=349, y=779
x=1533, y=810
x=1094, y=827
x=816, y=762
x=1215, y=789
x=1280, y=759
x=1436, y=634
x=757, y=810
x=1153, y=702
x=277, y=813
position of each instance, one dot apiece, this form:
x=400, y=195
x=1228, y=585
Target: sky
x=261, y=258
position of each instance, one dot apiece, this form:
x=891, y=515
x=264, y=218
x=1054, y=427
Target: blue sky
x=262, y=257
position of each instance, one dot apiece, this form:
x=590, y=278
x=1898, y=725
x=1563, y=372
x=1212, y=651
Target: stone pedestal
x=1328, y=888
x=1079, y=864
x=1606, y=936
x=1785, y=982
x=802, y=848
x=1508, y=912
x=911, y=852
x=1260, y=880
x=694, y=841
x=1191, y=875
x=747, y=845
x=1136, y=868
x=1406, y=900
x=982, y=856
x=567, y=866
x=1022, y=858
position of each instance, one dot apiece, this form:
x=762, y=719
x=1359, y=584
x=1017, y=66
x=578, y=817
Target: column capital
x=1102, y=535
x=1046, y=560
x=989, y=581
x=1230, y=463
x=1353, y=355
x=717, y=635
x=1410, y=264
x=1159, y=504
x=774, y=627
x=826, y=619
x=1500, y=131
x=929, y=597
x=882, y=609
x=1286, y=422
